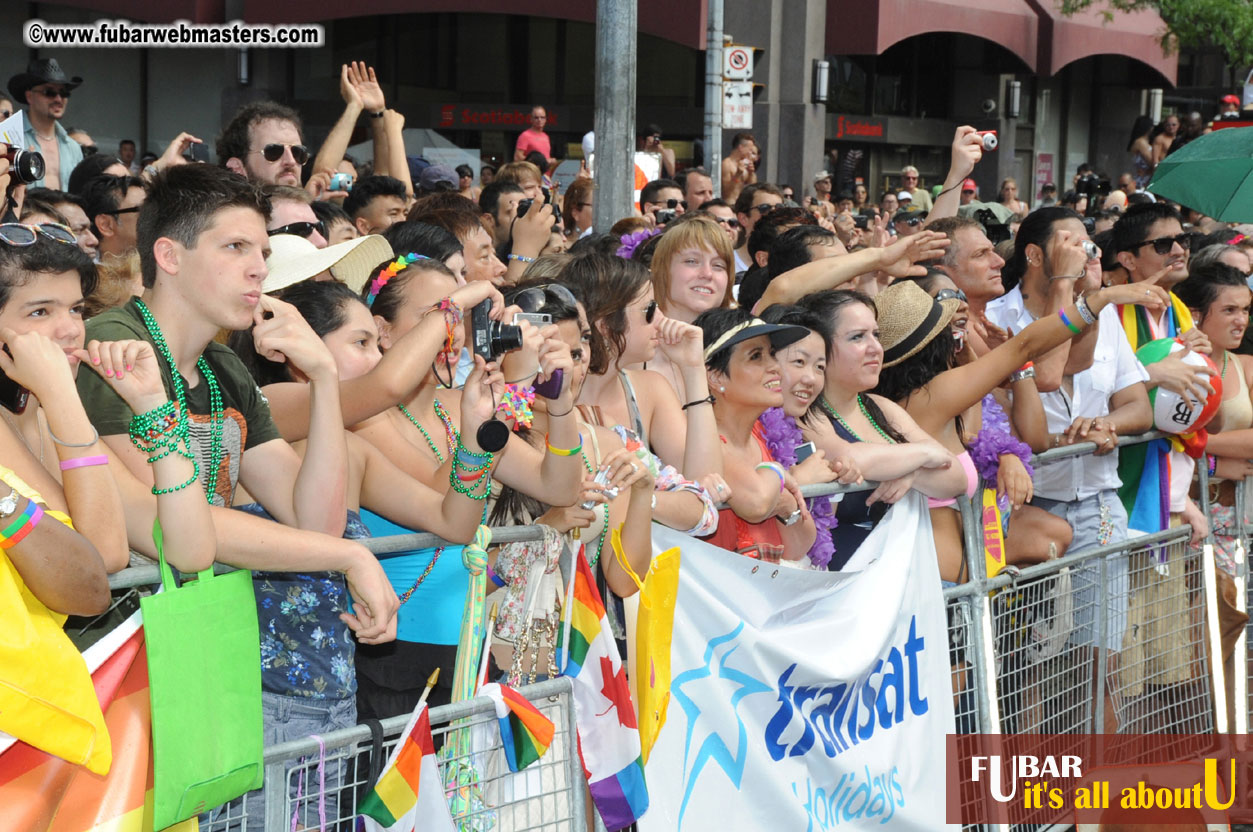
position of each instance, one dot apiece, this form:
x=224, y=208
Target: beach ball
x=1173, y=413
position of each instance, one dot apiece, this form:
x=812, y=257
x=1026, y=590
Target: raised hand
x=35, y=361
x=366, y=86
x=1066, y=256
x=131, y=369
x=899, y=259
x=680, y=342
x=484, y=387
x=967, y=151
x=281, y=334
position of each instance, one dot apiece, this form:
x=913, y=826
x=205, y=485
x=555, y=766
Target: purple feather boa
x=995, y=440
x=782, y=437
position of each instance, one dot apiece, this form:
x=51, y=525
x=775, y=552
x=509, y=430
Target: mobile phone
x=12, y=395
x=199, y=152
x=861, y=221
x=524, y=205
x=600, y=483
x=552, y=388
x=803, y=452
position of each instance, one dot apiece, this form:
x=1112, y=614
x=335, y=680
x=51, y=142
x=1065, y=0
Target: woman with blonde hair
x=526, y=176
x=576, y=212
x=693, y=270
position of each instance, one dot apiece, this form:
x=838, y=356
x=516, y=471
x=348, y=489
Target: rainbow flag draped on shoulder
x=1144, y=470
x=609, y=739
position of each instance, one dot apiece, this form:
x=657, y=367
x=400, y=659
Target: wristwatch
x=8, y=504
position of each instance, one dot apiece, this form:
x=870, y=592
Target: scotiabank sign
x=860, y=129
x=489, y=117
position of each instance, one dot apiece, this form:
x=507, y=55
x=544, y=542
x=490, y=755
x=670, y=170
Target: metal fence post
x=1241, y=691
x=1213, y=632
x=1097, y=700
x=275, y=790
x=981, y=622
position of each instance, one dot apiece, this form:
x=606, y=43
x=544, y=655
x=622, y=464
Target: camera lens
x=1090, y=249
x=524, y=205
x=503, y=338
x=27, y=165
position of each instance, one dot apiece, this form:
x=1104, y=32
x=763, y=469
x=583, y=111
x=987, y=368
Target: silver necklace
x=5, y=413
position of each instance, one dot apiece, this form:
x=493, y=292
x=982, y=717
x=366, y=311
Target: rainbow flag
x=409, y=794
x=525, y=733
x=1144, y=470
x=609, y=740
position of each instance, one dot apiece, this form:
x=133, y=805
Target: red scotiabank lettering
x=509, y=117
x=858, y=128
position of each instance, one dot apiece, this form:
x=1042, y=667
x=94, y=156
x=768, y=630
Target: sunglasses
x=675, y=203
x=729, y=222
x=946, y=294
x=1163, y=245
x=764, y=208
x=21, y=234
x=274, y=152
x=536, y=298
x=650, y=311
x=913, y=221
x=132, y=210
x=54, y=93
x=300, y=229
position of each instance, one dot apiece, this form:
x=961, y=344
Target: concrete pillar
x=790, y=130
x=616, y=26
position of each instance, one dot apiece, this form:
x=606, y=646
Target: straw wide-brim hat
x=293, y=259
x=909, y=319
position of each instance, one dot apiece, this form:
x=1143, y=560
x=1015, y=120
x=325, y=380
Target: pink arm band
x=84, y=462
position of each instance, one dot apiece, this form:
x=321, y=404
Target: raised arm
x=393, y=380
x=397, y=162
x=898, y=260
x=313, y=494
x=952, y=392
x=131, y=369
x=967, y=151
x=700, y=453
x=336, y=144
x=91, y=497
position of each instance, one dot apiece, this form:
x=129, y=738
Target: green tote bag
x=204, y=680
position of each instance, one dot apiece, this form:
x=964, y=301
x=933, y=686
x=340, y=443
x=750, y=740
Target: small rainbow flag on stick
x=409, y=794
x=524, y=732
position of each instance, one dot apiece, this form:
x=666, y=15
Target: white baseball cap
x=904, y=195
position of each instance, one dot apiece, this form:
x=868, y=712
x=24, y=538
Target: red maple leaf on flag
x=617, y=692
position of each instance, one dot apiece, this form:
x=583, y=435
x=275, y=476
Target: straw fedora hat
x=293, y=259
x=909, y=319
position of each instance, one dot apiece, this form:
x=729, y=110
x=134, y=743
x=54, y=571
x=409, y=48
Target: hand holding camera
x=531, y=229
x=484, y=387
x=968, y=149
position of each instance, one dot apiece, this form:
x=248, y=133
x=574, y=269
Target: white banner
x=803, y=700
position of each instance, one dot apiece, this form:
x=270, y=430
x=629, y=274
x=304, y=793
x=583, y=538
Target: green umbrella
x=1212, y=174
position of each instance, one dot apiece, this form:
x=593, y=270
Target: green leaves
x=1227, y=24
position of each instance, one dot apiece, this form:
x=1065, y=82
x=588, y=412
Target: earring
x=722, y=389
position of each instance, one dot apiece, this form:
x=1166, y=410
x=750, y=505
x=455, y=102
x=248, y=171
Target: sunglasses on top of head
x=274, y=152
x=300, y=229
x=536, y=298
x=945, y=294
x=1163, y=245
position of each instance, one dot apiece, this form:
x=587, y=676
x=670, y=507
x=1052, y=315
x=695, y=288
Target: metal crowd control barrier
x=1121, y=638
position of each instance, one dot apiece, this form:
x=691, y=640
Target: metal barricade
x=318, y=782
x=1116, y=639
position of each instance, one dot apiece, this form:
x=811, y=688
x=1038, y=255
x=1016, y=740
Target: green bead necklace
x=217, y=419
x=826, y=405
x=429, y=441
x=604, y=529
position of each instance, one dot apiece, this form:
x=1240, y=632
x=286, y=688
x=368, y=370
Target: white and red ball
x=1172, y=412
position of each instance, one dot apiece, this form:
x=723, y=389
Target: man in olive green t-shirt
x=202, y=246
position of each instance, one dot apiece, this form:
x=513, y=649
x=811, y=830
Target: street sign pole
x=713, y=96
x=615, y=111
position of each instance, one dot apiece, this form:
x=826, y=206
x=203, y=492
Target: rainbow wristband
x=83, y=462
x=778, y=469
x=1061, y=313
x=21, y=526
x=564, y=451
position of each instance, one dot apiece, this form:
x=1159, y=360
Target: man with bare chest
x=45, y=90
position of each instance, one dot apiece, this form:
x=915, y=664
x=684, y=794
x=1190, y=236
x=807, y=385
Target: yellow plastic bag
x=46, y=696
x=654, y=631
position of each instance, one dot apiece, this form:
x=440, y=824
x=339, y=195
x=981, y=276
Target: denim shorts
x=295, y=718
x=1087, y=590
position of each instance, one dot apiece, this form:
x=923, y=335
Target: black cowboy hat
x=42, y=71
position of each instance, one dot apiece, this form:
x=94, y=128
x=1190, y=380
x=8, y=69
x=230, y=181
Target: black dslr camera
x=997, y=231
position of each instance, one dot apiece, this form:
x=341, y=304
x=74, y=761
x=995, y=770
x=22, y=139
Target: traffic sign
x=737, y=63
x=737, y=105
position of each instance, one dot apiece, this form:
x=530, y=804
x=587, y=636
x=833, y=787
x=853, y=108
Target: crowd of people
x=283, y=353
